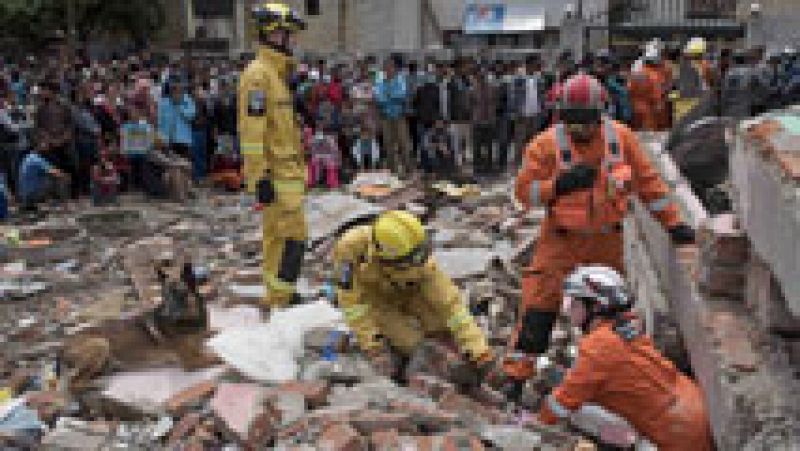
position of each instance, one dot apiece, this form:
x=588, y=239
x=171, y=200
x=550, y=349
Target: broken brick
x=724, y=241
x=456, y=441
x=427, y=418
x=369, y=422
x=263, y=428
x=723, y=280
x=341, y=437
x=467, y=407
x=315, y=392
x=385, y=440
x=190, y=397
x=184, y=427
x=430, y=386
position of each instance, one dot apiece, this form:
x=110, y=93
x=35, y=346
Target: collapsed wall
x=728, y=294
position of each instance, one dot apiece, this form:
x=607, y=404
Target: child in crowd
x=324, y=159
x=122, y=164
x=137, y=141
x=366, y=152
x=105, y=180
x=437, y=148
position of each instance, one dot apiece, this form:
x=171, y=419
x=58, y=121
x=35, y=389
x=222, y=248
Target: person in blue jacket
x=176, y=110
x=391, y=96
x=38, y=180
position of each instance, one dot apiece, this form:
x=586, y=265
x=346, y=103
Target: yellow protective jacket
x=399, y=305
x=270, y=137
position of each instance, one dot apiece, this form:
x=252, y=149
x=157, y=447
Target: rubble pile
x=86, y=362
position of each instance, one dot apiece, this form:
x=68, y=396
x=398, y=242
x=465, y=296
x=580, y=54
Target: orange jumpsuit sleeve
x=647, y=182
x=536, y=181
x=580, y=385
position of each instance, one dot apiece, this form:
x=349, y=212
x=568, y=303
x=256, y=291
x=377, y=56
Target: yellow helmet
x=399, y=238
x=695, y=47
x=276, y=16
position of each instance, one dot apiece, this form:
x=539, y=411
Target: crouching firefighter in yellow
x=393, y=295
x=273, y=158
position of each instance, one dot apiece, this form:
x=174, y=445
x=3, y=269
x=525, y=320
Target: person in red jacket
x=336, y=90
x=646, y=87
x=620, y=370
x=583, y=170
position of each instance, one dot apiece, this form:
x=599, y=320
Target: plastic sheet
x=269, y=352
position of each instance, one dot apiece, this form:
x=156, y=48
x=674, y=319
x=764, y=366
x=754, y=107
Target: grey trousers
x=397, y=145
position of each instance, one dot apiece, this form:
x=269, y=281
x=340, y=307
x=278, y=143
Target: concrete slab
x=330, y=212
x=149, y=390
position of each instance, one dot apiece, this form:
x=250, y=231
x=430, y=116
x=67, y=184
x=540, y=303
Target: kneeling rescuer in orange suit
x=583, y=170
x=619, y=370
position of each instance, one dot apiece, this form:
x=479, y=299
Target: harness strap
x=563, y=145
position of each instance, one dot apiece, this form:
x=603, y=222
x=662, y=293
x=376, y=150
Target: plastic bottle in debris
x=48, y=377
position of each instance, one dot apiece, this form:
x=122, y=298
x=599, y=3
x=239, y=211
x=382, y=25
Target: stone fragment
x=190, y=397
x=429, y=385
x=511, y=438
x=341, y=437
x=315, y=392
x=239, y=407
x=149, y=390
x=385, y=440
x=370, y=421
x=184, y=427
x=290, y=405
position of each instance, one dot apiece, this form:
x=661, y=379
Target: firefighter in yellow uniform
x=274, y=167
x=393, y=294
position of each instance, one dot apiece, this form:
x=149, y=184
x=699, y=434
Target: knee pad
x=291, y=260
x=534, y=334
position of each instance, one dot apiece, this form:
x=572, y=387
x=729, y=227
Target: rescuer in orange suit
x=619, y=370
x=645, y=87
x=664, y=71
x=583, y=170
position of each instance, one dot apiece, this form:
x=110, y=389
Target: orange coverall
x=559, y=252
x=633, y=380
x=646, y=99
x=664, y=72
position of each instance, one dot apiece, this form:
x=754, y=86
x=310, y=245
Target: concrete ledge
x=768, y=203
x=747, y=376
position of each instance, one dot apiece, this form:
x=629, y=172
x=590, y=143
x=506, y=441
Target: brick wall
x=721, y=297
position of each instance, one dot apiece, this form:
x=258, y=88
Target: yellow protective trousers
x=272, y=149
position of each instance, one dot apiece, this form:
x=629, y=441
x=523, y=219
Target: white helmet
x=601, y=288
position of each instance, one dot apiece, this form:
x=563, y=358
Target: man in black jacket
x=428, y=108
x=460, y=112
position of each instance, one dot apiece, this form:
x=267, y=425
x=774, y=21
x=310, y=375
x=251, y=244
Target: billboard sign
x=509, y=17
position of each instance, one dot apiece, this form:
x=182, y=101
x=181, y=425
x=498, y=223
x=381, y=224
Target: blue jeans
x=199, y=154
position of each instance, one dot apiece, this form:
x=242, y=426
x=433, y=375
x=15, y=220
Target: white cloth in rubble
x=269, y=352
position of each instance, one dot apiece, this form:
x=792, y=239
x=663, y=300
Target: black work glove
x=682, y=234
x=468, y=375
x=265, y=191
x=580, y=177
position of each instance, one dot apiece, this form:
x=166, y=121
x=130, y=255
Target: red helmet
x=583, y=99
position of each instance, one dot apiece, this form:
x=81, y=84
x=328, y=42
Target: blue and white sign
x=508, y=17
x=484, y=18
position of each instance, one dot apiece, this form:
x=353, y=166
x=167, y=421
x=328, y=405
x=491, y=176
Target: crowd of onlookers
x=98, y=128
